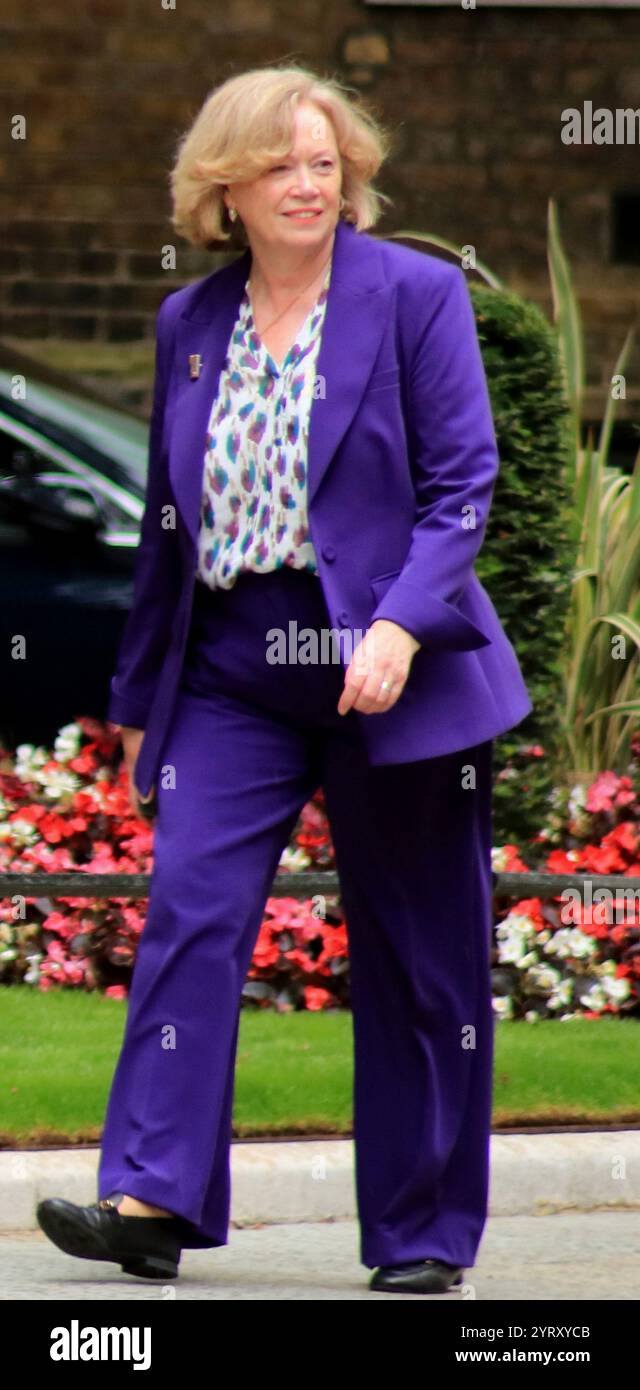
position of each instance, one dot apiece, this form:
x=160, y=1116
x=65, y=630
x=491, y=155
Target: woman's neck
x=274, y=281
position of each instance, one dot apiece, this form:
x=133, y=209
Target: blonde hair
x=244, y=125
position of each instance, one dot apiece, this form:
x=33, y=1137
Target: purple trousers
x=248, y=745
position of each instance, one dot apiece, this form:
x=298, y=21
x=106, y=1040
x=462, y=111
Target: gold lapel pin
x=195, y=365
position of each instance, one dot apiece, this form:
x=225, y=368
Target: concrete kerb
x=313, y=1180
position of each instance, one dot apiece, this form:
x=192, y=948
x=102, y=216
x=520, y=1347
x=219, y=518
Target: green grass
x=294, y=1074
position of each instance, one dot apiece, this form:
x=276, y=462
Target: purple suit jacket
x=398, y=498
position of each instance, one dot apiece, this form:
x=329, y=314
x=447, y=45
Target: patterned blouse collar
x=249, y=355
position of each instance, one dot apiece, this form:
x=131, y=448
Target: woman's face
x=310, y=176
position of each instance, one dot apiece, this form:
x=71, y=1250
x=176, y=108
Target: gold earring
x=233, y=214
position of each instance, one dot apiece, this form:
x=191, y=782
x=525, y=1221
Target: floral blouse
x=253, y=514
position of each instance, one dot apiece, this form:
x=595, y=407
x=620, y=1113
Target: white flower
x=593, y=997
x=27, y=761
x=32, y=975
x=515, y=934
x=576, y=802
x=562, y=995
x=295, y=859
x=23, y=832
x=570, y=941
x=57, y=784
x=67, y=743
x=616, y=990
x=543, y=977
x=503, y=1005
x=511, y=949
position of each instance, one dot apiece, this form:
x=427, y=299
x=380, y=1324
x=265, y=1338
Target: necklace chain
x=293, y=301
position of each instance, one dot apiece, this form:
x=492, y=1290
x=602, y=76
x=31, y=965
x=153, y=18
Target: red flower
x=558, y=861
x=84, y=762
x=334, y=944
x=608, y=790
x=265, y=952
x=513, y=864
x=33, y=813
x=55, y=921
x=604, y=859
x=297, y=957
x=626, y=835
x=315, y=998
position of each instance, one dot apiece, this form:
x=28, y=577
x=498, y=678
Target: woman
x=322, y=460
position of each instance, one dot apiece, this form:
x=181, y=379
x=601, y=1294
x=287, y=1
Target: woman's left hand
x=384, y=654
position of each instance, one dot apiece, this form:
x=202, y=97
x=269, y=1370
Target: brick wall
x=474, y=100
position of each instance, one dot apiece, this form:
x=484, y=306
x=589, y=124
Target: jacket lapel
x=357, y=309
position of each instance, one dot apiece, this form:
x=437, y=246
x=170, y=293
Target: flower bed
x=576, y=955
x=68, y=810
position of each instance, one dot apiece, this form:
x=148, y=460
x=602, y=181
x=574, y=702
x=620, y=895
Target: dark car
x=72, y=483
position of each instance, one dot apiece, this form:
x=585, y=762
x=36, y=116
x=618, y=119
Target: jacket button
x=343, y=618
x=329, y=554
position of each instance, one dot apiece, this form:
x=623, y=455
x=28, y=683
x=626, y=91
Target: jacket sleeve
x=455, y=463
x=157, y=569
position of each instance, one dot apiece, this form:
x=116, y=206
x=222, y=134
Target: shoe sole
x=413, y=1288
x=71, y=1236
x=147, y=1267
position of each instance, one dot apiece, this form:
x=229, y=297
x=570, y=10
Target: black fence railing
x=77, y=884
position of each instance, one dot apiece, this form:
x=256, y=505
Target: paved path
x=568, y=1256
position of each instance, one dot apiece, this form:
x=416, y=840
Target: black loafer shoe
x=421, y=1276
x=145, y=1245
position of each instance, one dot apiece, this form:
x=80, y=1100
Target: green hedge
x=527, y=559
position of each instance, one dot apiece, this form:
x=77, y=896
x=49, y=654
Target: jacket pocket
x=389, y=376
x=382, y=582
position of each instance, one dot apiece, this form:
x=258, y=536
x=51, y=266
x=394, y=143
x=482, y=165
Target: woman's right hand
x=131, y=740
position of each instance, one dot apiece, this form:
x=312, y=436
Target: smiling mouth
x=304, y=216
